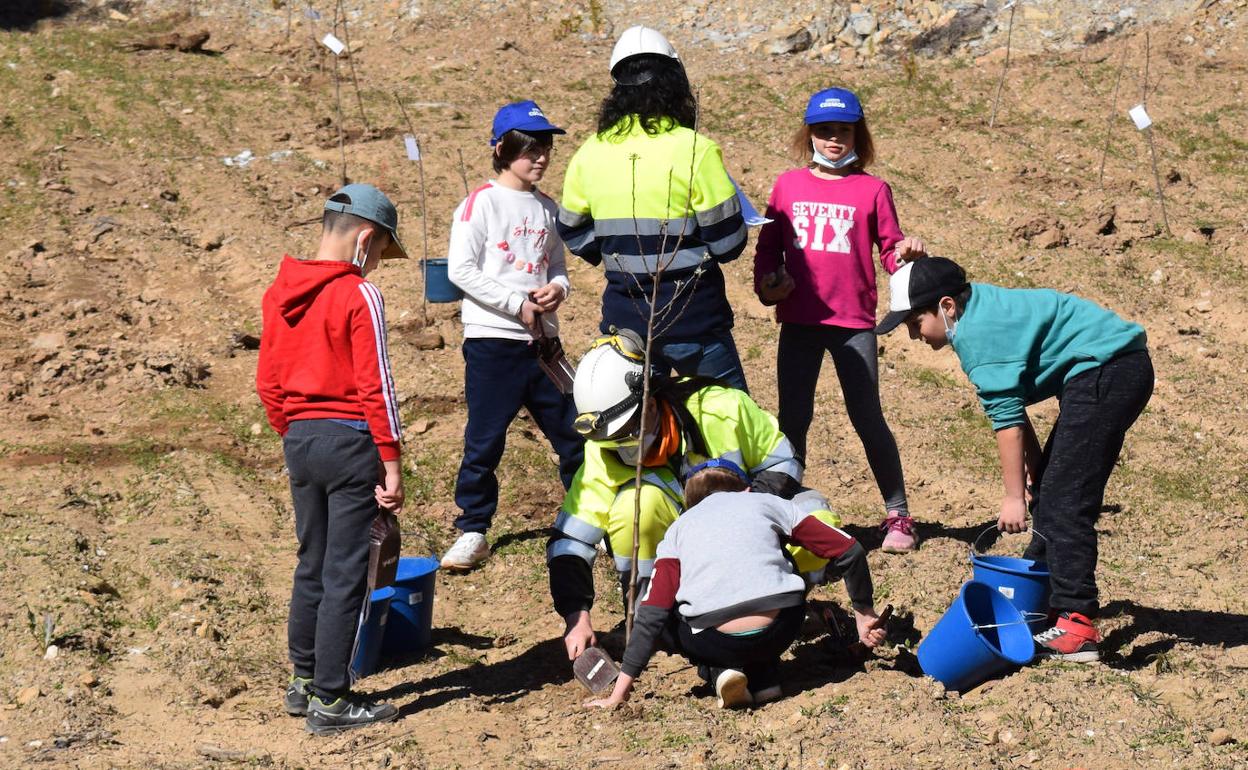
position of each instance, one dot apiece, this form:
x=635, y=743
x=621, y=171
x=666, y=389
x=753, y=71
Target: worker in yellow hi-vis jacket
x=689, y=420
x=648, y=197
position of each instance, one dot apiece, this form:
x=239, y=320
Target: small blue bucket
x=1023, y=581
x=979, y=636
x=370, y=634
x=411, y=610
x=438, y=286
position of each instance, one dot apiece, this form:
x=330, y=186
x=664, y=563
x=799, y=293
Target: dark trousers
x=757, y=655
x=333, y=470
x=712, y=355
x=799, y=357
x=1097, y=408
x=500, y=376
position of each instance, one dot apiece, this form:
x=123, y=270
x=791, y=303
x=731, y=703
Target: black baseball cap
x=919, y=284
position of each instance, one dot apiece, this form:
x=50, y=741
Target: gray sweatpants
x=333, y=469
x=799, y=357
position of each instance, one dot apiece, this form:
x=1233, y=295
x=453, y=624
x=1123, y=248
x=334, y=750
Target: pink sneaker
x=900, y=537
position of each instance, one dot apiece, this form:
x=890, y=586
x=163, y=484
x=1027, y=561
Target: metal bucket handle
x=975, y=543
x=1034, y=616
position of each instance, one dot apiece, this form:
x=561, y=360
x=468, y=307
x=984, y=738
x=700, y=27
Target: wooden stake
x=342, y=142
x=346, y=39
x=1152, y=146
x=1109, y=117
x=1009, y=36
x=424, y=213
x=463, y=171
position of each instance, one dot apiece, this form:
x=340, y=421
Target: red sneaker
x=1072, y=638
x=899, y=534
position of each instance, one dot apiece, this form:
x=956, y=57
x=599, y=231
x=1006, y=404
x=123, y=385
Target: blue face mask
x=950, y=331
x=850, y=158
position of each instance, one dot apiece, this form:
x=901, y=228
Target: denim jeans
x=712, y=355
x=500, y=377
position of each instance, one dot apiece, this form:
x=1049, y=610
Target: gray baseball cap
x=364, y=200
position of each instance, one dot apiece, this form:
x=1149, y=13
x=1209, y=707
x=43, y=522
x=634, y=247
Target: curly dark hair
x=657, y=102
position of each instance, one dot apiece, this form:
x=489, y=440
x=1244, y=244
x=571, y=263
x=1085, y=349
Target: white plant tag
x=1140, y=116
x=333, y=43
x=413, y=149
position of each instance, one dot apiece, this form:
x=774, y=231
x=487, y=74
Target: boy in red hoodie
x=324, y=378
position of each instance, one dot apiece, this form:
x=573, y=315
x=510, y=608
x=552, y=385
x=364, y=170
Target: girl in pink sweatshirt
x=814, y=263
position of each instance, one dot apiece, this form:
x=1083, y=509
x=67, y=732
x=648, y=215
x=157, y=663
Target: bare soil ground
x=147, y=530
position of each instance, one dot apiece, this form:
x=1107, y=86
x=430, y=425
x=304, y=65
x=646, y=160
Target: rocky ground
x=146, y=526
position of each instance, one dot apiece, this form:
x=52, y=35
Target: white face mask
x=360, y=256
x=850, y=158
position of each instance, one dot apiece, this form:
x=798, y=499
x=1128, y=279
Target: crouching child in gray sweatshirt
x=727, y=592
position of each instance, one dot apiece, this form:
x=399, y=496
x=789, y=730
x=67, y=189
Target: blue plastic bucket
x=438, y=286
x=370, y=634
x=1023, y=581
x=411, y=610
x=981, y=635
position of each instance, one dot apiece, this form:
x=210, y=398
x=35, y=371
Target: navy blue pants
x=712, y=355
x=1097, y=408
x=500, y=376
x=333, y=470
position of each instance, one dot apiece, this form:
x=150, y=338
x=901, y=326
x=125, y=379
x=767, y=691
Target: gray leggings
x=799, y=358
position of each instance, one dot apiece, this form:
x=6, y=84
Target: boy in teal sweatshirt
x=1020, y=347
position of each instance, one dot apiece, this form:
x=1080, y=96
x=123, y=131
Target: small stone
x=51, y=652
x=88, y=679
x=255, y=429
x=1203, y=306
x=421, y=425
x=1220, y=737
x=429, y=340
x=787, y=40
x=863, y=23
x=1158, y=276
x=27, y=695
x=206, y=631
x=210, y=241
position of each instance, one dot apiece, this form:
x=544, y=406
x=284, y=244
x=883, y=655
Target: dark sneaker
x=297, y=694
x=345, y=713
x=1072, y=638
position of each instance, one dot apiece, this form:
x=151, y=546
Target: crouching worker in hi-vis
x=689, y=420
x=726, y=593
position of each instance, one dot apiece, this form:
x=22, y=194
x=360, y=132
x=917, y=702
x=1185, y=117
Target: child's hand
x=910, y=249
x=775, y=286
x=389, y=493
x=870, y=627
x=1013, y=517
x=531, y=317
x=548, y=298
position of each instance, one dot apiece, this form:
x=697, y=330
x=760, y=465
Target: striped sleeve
x=373, y=381
x=576, y=220
x=718, y=212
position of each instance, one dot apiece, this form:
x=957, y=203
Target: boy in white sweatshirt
x=508, y=259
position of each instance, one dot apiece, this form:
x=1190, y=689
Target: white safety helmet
x=640, y=40
x=608, y=385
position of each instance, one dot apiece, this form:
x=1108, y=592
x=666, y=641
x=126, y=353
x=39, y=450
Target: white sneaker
x=468, y=552
x=733, y=689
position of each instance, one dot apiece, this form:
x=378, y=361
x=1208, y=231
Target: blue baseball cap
x=367, y=202
x=521, y=116
x=833, y=105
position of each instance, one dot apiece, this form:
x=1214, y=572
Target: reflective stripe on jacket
x=635, y=203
